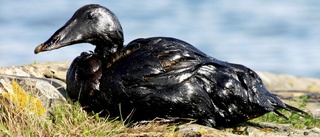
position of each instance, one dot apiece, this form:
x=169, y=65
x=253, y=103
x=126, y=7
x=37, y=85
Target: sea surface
x=273, y=36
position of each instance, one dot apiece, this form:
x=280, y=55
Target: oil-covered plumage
x=156, y=77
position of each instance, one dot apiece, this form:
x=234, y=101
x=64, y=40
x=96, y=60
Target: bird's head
x=93, y=24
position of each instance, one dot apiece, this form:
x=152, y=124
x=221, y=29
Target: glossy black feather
x=156, y=77
x=165, y=77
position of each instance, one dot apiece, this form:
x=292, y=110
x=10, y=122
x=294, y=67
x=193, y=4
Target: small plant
x=71, y=119
x=23, y=100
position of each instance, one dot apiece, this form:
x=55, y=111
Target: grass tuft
x=65, y=120
x=24, y=101
x=68, y=120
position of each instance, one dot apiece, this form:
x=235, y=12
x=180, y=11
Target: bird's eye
x=90, y=16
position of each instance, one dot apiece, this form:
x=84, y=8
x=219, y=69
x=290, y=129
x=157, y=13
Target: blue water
x=274, y=36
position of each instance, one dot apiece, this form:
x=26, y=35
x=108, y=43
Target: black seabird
x=156, y=77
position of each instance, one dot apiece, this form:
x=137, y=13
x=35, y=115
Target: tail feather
x=296, y=110
x=281, y=115
x=292, y=109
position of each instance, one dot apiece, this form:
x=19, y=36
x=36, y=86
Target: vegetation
x=23, y=100
x=20, y=118
x=66, y=120
x=23, y=115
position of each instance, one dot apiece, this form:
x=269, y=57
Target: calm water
x=275, y=36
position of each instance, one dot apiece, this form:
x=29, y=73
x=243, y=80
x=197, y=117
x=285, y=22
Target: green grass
x=20, y=116
x=72, y=120
x=294, y=119
x=66, y=120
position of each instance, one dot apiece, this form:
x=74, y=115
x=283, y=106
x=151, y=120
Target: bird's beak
x=39, y=48
x=50, y=44
x=63, y=37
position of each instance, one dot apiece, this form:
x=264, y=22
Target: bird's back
x=166, y=77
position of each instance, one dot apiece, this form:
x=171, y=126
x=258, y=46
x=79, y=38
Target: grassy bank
x=65, y=120
x=70, y=120
x=21, y=114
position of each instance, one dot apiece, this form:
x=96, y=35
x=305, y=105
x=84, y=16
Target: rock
x=195, y=130
x=37, y=87
x=289, y=87
x=281, y=82
x=263, y=129
x=56, y=70
x=279, y=130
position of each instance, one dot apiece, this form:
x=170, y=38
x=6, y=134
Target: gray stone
x=42, y=82
x=56, y=70
x=282, y=82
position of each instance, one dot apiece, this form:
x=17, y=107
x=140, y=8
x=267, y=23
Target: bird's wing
x=174, y=72
x=154, y=61
x=83, y=76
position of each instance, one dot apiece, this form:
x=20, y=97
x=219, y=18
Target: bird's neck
x=107, y=52
x=108, y=45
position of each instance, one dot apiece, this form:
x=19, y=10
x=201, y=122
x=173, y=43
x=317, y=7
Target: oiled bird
x=157, y=77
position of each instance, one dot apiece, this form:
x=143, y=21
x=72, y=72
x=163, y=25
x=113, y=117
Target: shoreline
x=46, y=81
